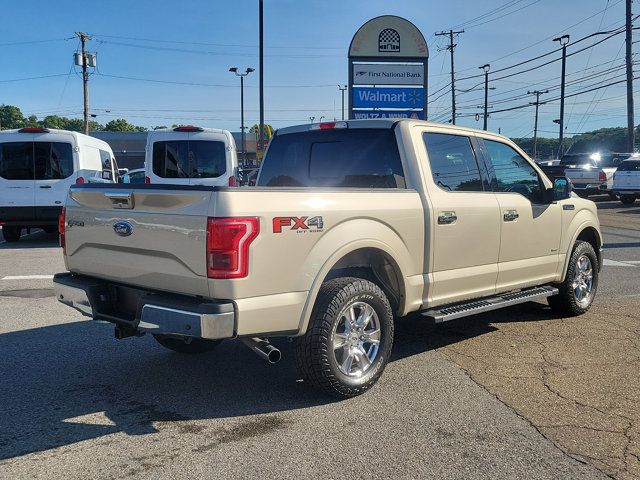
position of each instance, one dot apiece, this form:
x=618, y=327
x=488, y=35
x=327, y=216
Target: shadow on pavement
x=37, y=239
x=53, y=375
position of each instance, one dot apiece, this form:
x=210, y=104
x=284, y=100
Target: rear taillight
x=80, y=181
x=147, y=180
x=228, y=240
x=602, y=177
x=61, y=230
x=232, y=181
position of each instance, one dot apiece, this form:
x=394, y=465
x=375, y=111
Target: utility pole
x=537, y=93
x=486, y=67
x=85, y=80
x=564, y=39
x=242, y=75
x=451, y=47
x=261, y=54
x=342, y=90
x=630, y=119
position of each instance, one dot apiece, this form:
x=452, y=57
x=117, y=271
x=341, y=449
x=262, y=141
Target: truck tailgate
x=148, y=236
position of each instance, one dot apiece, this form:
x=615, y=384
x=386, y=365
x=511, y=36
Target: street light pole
x=342, y=90
x=564, y=39
x=242, y=75
x=486, y=67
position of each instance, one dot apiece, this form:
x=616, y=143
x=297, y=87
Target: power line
x=199, y=84
x=33, y=78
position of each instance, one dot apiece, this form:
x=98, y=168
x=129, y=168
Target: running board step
x=460, y=310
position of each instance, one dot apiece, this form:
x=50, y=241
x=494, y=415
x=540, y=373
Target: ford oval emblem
x=123, y=228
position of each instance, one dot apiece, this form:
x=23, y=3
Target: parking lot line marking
x=28, y=277
x=614, y=263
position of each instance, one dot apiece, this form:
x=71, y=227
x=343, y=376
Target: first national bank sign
x=388, y=66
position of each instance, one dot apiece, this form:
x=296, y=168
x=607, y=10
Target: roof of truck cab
x=388, y=123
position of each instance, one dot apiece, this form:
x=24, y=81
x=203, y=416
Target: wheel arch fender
x=367, y=234
x=583, y=228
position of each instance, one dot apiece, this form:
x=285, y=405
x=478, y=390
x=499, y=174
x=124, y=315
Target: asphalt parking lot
x=513, y=394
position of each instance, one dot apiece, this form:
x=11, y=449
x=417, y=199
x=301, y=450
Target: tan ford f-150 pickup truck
x=351, y=225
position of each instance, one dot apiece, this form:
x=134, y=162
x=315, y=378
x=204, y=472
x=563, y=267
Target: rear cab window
x=629, y=166
x=36, y=160
x=356, y=158
x=189, y=158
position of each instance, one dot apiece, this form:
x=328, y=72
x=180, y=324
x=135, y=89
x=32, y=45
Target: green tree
x=160, y=127
x=121, y=125
x=10, y=117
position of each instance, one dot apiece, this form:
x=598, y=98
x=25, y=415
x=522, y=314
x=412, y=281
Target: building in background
x=129, y=147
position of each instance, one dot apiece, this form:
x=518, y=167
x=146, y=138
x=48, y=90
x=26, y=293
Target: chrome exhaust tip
x=263, y=349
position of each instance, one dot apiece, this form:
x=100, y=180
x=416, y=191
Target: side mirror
x=106, y=174
x=561, y=188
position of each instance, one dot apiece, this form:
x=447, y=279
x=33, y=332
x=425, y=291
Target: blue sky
x=195, y=42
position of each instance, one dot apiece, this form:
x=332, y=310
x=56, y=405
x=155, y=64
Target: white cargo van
x=189, y=155
x=37, y=167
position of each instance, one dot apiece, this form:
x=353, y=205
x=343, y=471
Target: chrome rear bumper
x=146, y=311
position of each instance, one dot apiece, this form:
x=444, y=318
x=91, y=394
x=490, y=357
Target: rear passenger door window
x=454, y=167
x=511, y=173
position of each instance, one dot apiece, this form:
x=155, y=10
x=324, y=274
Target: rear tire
x=11, y=234
x=628, y=199
x=613, y=196
x=580, y=284
x=349, y=338
x=189, y=345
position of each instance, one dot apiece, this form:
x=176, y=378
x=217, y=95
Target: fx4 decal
x=299, y=224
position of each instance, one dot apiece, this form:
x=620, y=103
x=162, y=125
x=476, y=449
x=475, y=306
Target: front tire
x=580, y=284
x=349, y=338
x=628, y=199
x=11, y=234
x=187, y=345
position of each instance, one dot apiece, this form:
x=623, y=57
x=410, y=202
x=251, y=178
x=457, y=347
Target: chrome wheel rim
x=583, y=281
x=355, y=340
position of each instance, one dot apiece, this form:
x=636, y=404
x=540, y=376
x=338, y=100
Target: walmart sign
x=373, y=97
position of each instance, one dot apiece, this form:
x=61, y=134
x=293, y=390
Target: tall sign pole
x=261, y=68
x=388, y=70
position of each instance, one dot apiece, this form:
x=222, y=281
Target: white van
x=189, y=155
x=37, y=166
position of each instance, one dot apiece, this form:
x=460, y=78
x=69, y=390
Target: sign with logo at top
x=372, y=97
x=389, y=51
x=388, y=74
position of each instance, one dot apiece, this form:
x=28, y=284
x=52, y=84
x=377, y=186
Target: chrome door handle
x=510, y=215
x=447, y=218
